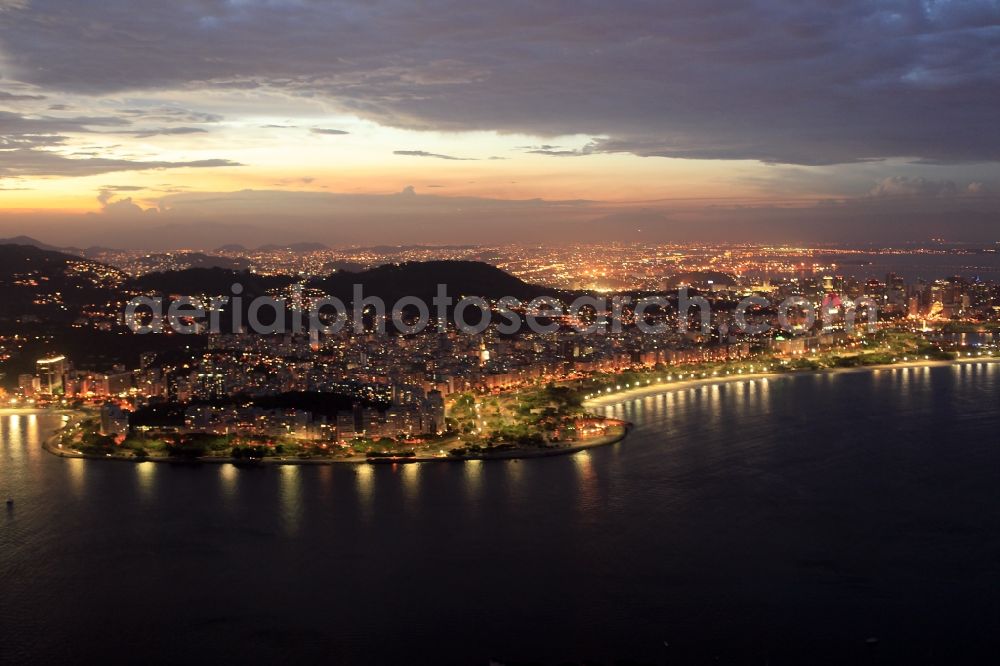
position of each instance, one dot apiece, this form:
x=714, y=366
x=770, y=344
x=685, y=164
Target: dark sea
x=849, y=518
x=920, y=266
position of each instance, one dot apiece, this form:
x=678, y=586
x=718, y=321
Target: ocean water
x=833, y=518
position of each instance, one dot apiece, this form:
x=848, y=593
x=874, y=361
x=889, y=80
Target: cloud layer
x=809, y=82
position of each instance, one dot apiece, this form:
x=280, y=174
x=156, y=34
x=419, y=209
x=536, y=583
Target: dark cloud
x=165, y=131
x=25, y=162
x=122, y=188
x=236, y=85
x=14, y=97
x=810, y=82
x=17, y=124
x=20, y=132
x=555, y=152
x=331, y=132
x=9, y=142
x=424, y=153
x=24, y=138
x=169, y=114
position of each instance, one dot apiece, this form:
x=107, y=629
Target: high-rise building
x=435, y=403
x=345, y=426
x=50, y=373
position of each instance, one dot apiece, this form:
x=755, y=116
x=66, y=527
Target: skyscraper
x=50, y=373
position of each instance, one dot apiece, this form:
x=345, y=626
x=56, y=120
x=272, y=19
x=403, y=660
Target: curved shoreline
x=622, y=430
x=50, y=444
x=619, y=397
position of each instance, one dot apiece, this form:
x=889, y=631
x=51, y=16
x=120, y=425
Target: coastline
x=669, y=387
x=621, y=430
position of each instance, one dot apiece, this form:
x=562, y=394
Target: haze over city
x=165, y=125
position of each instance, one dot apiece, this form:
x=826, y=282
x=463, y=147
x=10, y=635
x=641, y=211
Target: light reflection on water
x=365, y=485
x=13, y=434
x=290, y=492
x=472, y=476
x=77, y=469
x=229, y=486
x=586, y=481
x=411, y=484
x=146, y=476
x=325, y=474
x=791, y=503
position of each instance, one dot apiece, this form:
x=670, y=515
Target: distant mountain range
x=231, y=247
x=27, y=240
x=29, y=274
x=34, y=242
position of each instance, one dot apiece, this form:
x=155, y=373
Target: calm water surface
x=780, y=522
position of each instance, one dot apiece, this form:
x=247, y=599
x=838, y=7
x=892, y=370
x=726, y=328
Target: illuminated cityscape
x=467, y=333
x=444, y=392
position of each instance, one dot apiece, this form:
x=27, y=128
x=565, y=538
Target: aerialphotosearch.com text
x=411, y=315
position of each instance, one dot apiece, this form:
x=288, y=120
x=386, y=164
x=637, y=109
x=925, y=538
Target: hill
x=28, y=240
x=208, y=281
x=47, y=284
x=89, y=252
x=463, y=278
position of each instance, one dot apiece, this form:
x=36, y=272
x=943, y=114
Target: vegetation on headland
x=82, y=437
x=532, y=420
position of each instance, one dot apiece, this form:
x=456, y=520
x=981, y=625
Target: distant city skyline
x=193, y=124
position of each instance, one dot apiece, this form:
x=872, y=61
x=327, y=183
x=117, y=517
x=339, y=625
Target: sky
x=193, y=123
